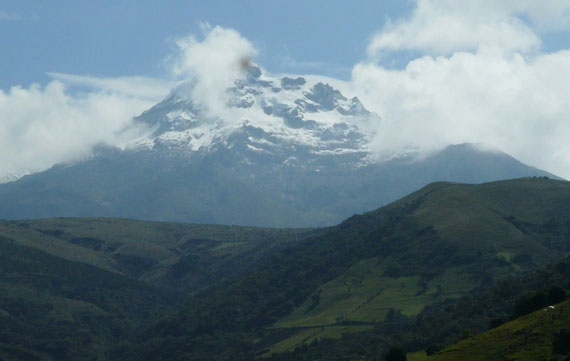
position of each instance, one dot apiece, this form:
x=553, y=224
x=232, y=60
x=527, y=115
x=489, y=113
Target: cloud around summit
x=212, y=62
x=42, y=126
x=477, y=71
x=62, y=121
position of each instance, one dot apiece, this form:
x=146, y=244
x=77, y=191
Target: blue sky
x=118, y=38
x=437, y=72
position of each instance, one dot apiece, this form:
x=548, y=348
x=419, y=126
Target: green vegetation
x=396, y=353
x=422, y=272
x=529, y=337
x=410, y=240
x=71, y=288
x=539, y=299
x=168, y=255
x=308, y=335
x=65, y=310
x=441, y=243
x=440, y=324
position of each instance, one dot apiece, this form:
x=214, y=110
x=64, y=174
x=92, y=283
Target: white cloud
x=549, y=15
x=212, y=64
x=441, y=27
x=480, y=77
x=42, y=126
x=288, y=62
x=150, y=89
x=480, y=89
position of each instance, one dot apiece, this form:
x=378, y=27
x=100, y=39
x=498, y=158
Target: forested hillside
x=423, y=272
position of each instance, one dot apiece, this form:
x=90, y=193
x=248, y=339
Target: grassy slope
x=529, y=337
x=439, y=325
x=69, y=288
x=55, y=309
x=171, y=255
x=436, y=243
x=496, y=230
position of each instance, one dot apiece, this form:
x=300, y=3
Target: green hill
x=226, y=292
x=441, y=242
x=175, y=256
x=54, y=309
x=450, y=239
x=529, y=337
x=444, y=323
x=70, y=289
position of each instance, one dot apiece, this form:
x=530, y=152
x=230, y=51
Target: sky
x=438, y=72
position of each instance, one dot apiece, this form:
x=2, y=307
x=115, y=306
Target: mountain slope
x=153, y=185
x=278, y=152
x=442, y=324
x=440, y=240
x=529, y=337
x=177, y=257
x=456, y=238
x=72, y=289
x=54, y=309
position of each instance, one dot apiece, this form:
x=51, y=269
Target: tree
x=556, y=295
x=433, y=348
x=396, y=353
x=561, y=344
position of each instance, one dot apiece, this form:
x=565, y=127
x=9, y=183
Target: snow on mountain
x=11, y=176
x=300, y=116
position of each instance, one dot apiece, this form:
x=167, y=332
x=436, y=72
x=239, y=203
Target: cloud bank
x=480, y=76
x=442, y=27
x=42, y=126
x=139, y=87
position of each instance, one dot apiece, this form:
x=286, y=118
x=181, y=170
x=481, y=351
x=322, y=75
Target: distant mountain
x=283, y=152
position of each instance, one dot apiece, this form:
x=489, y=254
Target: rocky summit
x=288, y=121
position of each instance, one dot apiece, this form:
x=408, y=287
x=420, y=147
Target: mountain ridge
x=161, y=186
x=343, y=269
x=279, y=152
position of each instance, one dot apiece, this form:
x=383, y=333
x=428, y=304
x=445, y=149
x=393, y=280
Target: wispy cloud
x=151, y=89
x=318, y=67
x=4, y=16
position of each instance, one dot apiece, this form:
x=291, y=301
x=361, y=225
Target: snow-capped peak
x=270, y=111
